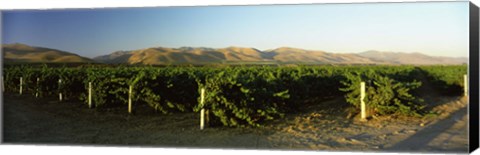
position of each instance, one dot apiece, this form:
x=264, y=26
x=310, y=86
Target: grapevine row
x=235, y=95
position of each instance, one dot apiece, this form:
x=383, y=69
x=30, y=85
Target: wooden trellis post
x=89, y=94
x=362, y=103
x=130, y=99
x=60, y=97
x=21, y=85
x=38, y=89
x=202, y=112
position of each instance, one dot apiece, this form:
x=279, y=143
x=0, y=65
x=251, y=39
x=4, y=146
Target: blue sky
x=433, y=28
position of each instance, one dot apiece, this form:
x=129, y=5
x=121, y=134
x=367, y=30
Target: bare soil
x=28, y=120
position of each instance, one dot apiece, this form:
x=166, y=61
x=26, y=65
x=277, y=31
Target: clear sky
x=433, y=28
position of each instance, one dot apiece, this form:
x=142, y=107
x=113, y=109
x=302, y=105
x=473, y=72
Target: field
x=410, y=108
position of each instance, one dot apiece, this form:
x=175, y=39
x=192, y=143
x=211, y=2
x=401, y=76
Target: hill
x=183, y=55
x=21, y=53
x=201, y=55
x=295, y=55
x=282, y=55
x=411, y=58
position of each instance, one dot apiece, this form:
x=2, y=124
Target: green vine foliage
x=383, y=94
x=447, y=79
x=239, y=97
x=235, y=95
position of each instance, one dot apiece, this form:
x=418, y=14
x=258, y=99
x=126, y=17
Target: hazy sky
x=433, y=28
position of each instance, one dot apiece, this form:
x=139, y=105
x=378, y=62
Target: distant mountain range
x=21, y=53
x=411, y=58
x=283, y=55
x=188, y=55
x=229, y=55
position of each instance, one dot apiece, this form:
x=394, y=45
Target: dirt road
x=44, y=121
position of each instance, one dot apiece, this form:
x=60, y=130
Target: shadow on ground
x=421, y=139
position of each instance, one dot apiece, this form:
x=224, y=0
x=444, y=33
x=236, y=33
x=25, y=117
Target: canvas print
x=381, y=77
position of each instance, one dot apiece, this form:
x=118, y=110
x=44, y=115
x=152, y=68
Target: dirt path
x=42, y=121
x=446, y=135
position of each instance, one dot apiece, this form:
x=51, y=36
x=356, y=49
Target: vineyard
x=237, y=95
